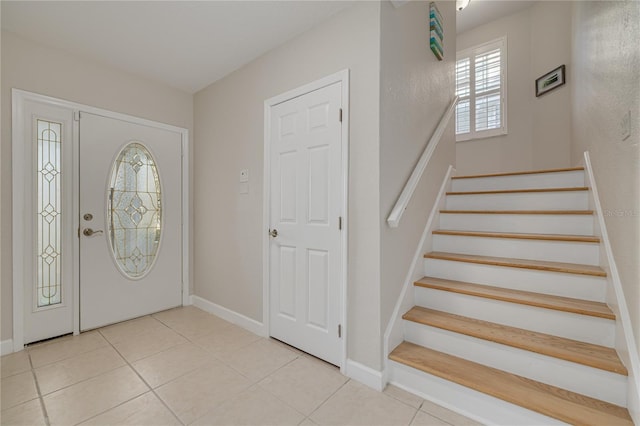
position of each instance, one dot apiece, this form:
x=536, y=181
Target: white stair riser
x=569, y=285
x=566, y=200
x=582, y=379
x=584, y=328
x=554, y=251
x=521, y=223
x=571, y=179
x=476, y=405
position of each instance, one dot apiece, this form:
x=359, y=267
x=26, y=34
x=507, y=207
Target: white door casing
x=26, y=108
x=108, y=293
x=306, y=175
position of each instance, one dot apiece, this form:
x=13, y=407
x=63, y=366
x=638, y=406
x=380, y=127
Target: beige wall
x=550, y=48
x=37, y=68
x=539, y=129
x=606, y=85
x=229, y=136
x=416, y=88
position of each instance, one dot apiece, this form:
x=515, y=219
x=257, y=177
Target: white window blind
x=481, y=87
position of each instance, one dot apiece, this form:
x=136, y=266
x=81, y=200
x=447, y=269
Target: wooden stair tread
x=528, y=172
x=558, y=303
x=583, y=353
x=517, y=191
x=569, y=268
x=513, y=235
x=549, y=400
x=541, y=212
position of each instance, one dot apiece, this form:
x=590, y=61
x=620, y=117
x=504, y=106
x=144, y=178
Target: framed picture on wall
x=436, y=31
x=550, y=81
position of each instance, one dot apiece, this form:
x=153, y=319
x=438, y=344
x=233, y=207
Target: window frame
x=472, y=53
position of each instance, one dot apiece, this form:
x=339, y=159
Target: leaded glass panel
x=49, y=216
x=134, y=210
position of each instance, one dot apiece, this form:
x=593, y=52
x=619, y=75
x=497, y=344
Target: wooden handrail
x=407, y=192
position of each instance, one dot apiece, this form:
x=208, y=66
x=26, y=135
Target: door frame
x=338, y=77
x=18, y=98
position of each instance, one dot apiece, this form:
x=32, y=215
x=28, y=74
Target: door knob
x=87, y=232
x=273, y=233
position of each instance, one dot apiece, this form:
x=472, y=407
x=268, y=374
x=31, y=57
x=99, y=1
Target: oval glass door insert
x=134, y=210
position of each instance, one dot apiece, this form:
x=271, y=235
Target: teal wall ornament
x=437, y=33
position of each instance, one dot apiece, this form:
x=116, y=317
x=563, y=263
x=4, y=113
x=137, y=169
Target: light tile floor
x=185, y=366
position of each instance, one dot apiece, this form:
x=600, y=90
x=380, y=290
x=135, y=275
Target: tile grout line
x=400, y=400
x=328, y=398
x=276, y=396
x=126, y=364
x=253, y=382
x=80, y=381
x=414, y=417
x=52, y=342
x=256, y=383
x=143, y=381
x=437, y=416
x=47, y=422
x=192, y=341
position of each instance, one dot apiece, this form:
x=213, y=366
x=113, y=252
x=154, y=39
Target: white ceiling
x=185, y=44
x=188, y=44
x=480, y=12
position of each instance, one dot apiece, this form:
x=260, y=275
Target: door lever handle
x=273, y=233
x=87, y=232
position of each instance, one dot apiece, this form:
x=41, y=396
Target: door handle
x=273, y=233
x=87, y=232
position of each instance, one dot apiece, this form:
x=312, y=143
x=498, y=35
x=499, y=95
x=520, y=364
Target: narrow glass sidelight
x=134, y=210
x=49, y=216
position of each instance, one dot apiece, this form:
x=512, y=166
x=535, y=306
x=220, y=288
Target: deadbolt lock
x=88, y=216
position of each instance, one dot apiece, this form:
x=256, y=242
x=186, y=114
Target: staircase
x=510, y=323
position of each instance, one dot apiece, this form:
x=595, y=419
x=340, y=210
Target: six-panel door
x=306, y=198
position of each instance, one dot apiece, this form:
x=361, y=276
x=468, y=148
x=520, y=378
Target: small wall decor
x=550, y=81
x=437, y=34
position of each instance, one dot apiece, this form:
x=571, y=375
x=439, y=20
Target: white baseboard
x=365, y=375
x=6, y=347
x=229, y=315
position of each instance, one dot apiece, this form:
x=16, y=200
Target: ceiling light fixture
x=461, y=4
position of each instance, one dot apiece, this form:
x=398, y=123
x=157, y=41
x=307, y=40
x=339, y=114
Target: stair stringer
x=624, y=341
x=394, y=332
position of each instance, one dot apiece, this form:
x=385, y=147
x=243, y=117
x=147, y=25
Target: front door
x=306, y=199
x=130, y=220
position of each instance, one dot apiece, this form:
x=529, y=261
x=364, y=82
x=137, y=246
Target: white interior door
x=306, y=199
x=130, y=220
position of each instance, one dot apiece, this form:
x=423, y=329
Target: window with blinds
x=481, y=87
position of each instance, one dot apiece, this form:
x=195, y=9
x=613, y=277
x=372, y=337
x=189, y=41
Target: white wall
x=415, y=90
x=605, y=85
x=229, y=137
x=37, y=68
x=539, y=129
